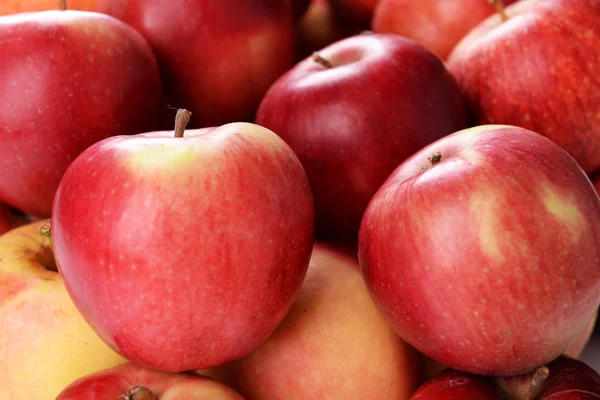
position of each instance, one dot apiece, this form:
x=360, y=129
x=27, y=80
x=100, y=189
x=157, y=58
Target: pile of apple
x=296, y=199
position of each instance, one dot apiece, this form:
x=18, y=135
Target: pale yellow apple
x=45, y=344
x=333, y=344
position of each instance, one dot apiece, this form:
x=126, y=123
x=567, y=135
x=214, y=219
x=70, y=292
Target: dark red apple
x=354, y=13
x=81, y=77
x=356, y=111
x=538, y=70
x=299, y=7
x=218, y=58
x=132, y=382
x=184, y=252
x=482, y=250
x=563, y=379
x=437, y=25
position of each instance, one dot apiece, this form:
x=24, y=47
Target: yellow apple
x=45, y=344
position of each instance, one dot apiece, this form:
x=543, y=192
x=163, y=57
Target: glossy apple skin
x=217, y=58
x=333, y=344
x=210, y=233
x=569, y=379
x=351, y=125
x=82, y=77
x=436, y=24
x=537, y=71
x=111, y=383
x=457, y=385
x=45, y=344
x=493, y=249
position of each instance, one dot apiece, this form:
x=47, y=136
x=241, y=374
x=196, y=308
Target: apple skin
x=351, y=125
x=568, y=379
x=437, y=25
x=333, y=344
x=210, y=233
x=457, y=385
x=355, y=13
x=82, y=77
x=111, y=383
x=493, y=249
x=219, y=81
x=537, y=71
x=45, y=344
x=299, y=7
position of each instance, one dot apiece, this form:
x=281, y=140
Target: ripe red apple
x=333, y=344
x=184, y=252
x=82, y=77
x=436, y=24
x=355, y=112
x=537, y=70
x=482, y=250
x=563, y=379
x=45, y=344
x=218, y=58
x=132, y=382
x=356, y=13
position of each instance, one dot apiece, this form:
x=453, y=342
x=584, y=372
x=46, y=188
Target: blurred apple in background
x=81, y=77
x=354, y=13
x=218, y=58
x=45, y=344
x=210, y=233
x=333, y=344
x=482, y=249
x=18, y=6
x=354, y=113
x=138, y=383
x=538, y=70
x=299, y=7
x=436, y=24
x=318, y=28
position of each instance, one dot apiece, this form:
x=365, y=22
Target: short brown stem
x=63, y=5
x=138, y=393
x=537, y=380
x=45, y=232
x=322, y=61
x=435, y=158
x=181, y=120
x=524, y=387
x=499, y=6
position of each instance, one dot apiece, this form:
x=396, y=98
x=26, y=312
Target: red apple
x=354, y=113
x=299, y=7
x=436, y=24
x=318, y=28
x=333, y=344
x=82, y=77
x=218, y=58
x=563, y=379
x=132, y=382
x=482, y=250
x=356, y=13
x=538, y=70
x=184, y=252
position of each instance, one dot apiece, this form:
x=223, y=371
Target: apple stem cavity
x=181, y=120
x=321, y=61
x=499, y=5
x=63, y=5
x=138, y=393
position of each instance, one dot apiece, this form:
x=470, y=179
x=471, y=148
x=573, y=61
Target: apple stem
x=63, y=5
x=435, y=158
x=537, y=380
x=45, y=232
x=181, y=120
x=138, y=393
x=322, y=61
x=499, y=5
